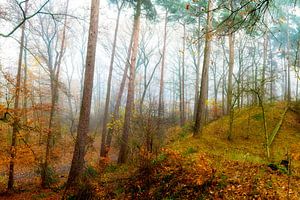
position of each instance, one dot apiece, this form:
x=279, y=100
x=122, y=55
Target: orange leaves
x=170, y=174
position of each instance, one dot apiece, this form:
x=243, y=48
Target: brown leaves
x=170, y=175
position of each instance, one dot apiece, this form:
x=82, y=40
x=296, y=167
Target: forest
x=149, y=99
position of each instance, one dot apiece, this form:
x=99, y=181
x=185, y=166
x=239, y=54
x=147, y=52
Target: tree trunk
x=120, y=94
x=230, y=84
x=271, y=72
x=197, y=69
x=288, y=64
x=54, y=79
x=161, y=82
x=130, y=95
x=103, y=150
x=182, y=89
x=263, y=76
x=223, y=88
x=10, y=183
x=84, y=117
x=25, y=90
x=201, y=109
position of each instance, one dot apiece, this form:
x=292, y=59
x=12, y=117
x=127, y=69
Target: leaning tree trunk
x=84, y=117
x=201, y=109
x=119, y=96
x=103, y=150
x=10, y=183
x=130, y=95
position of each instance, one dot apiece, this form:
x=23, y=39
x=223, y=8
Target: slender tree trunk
x=103, y=150
x=230, y=84
x=25, y=90
x=201, y=109
x=288, y=64
x=271, y=72
x=230, y=72
x=120, y=93
x=197, y=69
x=161, y=82
x=54, y=78
x=297, y=65
x=255, y=79
x=223, y=88
x=10, y=183
x=182, y=97
x=77, y=166
x=130, y=95
x=147, y=84
x=263, y=78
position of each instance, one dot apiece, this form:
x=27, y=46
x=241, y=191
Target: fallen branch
x=277, y=127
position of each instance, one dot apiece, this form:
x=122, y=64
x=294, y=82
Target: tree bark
x=197, y=69
x=120, y=94
x=182, y=89
x=263, y=78
x=230, y=84
x=103, y=150
x=201, y=109
x=161, y=82
x=77, y=165
x=289, y=63
x=130, y=95
x=10, y=183
x=54, y=79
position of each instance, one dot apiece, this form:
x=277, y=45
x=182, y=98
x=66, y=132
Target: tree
x=162, y=74
x=53, y=59
x=117, y=106
x=77, y=165
x=25, y=17
x=130, y=94
x=230, y=105
x=201, y=109
x=10, y=183
x=120, y=5
x=149, y=7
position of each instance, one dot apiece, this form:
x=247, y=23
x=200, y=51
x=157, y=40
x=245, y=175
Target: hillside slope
x=211, y=167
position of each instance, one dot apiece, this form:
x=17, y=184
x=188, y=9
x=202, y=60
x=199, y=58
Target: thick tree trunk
x=104, y=149
x=130, y=95
x=77, y=166
x=10, y=183
x=201, y=109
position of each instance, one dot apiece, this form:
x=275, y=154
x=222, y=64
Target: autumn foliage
x=168, y=175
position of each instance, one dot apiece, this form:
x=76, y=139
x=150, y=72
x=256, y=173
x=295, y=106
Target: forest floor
x=205, y=167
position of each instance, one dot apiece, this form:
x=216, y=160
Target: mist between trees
x=112, y=76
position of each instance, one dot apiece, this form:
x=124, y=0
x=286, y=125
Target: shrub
x=49, y=173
